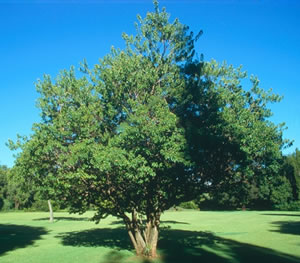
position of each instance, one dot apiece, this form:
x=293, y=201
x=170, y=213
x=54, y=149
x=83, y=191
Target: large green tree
x=148, y=127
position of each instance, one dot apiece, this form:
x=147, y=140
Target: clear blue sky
x=44, y=36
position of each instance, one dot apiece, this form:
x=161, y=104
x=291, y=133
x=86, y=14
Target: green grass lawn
x=186, y=236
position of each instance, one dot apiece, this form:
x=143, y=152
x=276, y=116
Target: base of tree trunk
x=145, y=245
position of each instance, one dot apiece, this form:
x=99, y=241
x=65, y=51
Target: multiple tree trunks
x=144, y=240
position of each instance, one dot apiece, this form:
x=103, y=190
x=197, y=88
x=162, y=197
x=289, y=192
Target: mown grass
x=185, y=236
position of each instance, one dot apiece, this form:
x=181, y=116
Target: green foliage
x=8, y=205
x=112, y=139
x=281, y=193
x=14, y=193
x=3, y=185
x=189, y=205
x=150, y=127
x=42, y=205
x=294, y=206
x=18, y=191
x=292, y=172
x=231, y=139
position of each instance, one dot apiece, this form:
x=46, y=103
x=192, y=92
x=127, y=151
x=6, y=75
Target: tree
x=15, y=191
x=148, y=128
x=35, y=168
x=292, y=172
x=231, y=141
x=3, y=184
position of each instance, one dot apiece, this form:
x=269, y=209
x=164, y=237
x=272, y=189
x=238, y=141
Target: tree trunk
x=151, y=236
x=145, y=244
x=50, y=211
x=17, y=205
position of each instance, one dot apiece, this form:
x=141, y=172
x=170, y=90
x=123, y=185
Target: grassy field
x=186, y=236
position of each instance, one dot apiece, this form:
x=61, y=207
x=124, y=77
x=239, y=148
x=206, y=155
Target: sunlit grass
x=186, y=236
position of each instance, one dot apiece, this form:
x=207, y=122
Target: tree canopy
x=148, y=127
x=292, y=170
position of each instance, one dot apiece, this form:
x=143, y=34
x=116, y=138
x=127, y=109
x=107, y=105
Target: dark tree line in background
x=19, y=193
x=15, y=192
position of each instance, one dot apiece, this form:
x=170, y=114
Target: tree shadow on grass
x=18, y=236
x=114, y=257
x=281, y=215
x=104, y=237
x=177, y=246
x=174, y=222
x=287, y=227
x=62, y=218
x=196, y=246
